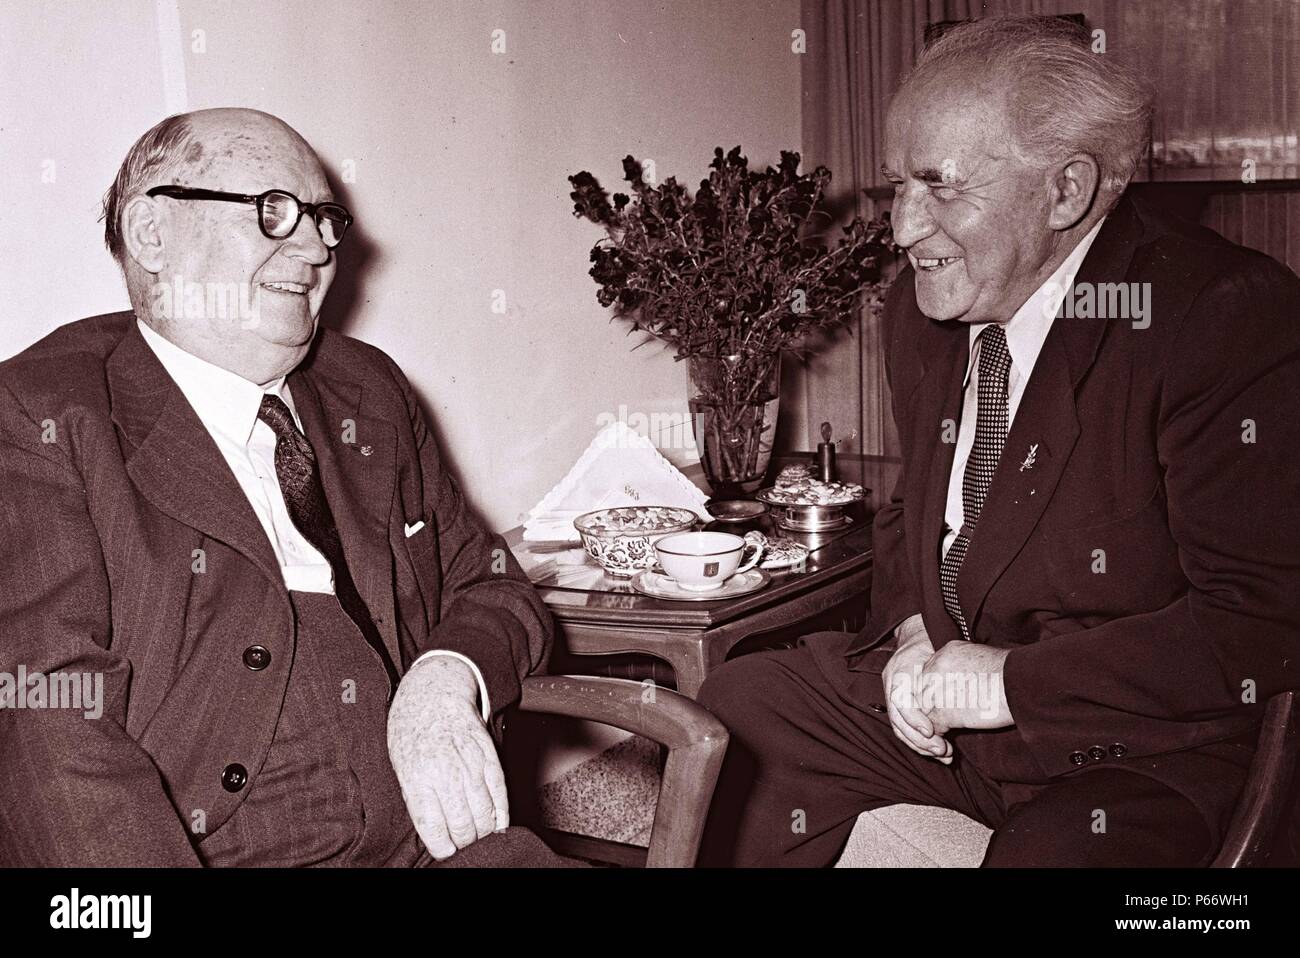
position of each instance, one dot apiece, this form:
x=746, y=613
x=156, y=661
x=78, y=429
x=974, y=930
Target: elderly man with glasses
x=239, y=523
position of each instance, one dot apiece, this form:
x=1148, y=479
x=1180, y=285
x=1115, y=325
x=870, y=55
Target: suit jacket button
x=1078, y=758
x=234, y=777
x=257, y=657
x=1118, y=750
x=1096, y=753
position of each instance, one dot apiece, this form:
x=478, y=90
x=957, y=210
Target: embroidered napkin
x=620, y=468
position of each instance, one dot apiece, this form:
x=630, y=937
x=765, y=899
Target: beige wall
x=460, y=158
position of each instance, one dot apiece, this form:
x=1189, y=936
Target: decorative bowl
x=622, y=539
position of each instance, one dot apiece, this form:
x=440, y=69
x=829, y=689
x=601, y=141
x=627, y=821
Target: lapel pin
x=1030, y=459
x=367, y=450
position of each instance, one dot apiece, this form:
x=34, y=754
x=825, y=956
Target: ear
x=142, y=234
x=1071, y=191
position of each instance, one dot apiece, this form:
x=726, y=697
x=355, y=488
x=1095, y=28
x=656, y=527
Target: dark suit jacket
x=97, y=574
x=1141, y=463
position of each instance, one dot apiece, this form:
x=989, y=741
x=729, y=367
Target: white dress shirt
x=227, y=404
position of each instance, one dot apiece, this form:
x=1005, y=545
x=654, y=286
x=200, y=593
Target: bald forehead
x=247, y=151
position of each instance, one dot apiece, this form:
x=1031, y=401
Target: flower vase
x=734, y=401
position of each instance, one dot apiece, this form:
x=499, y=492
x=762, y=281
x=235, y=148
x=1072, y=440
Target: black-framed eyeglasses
x=278, y=211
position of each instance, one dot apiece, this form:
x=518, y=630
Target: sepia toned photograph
x=858, y=437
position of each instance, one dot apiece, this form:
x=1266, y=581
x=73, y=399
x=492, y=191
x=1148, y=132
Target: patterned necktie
x=299, y=477
x=990, y=437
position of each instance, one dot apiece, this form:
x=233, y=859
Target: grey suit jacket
x=130, y=551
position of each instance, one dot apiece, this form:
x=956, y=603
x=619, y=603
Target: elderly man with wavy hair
x=1086, y=581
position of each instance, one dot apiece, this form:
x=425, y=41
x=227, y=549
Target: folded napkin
x=620, y=468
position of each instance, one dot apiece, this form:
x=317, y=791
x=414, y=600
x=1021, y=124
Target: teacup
x=704, y=561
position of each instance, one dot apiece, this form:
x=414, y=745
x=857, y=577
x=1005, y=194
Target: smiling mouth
x=299, y=289
x=930, y=264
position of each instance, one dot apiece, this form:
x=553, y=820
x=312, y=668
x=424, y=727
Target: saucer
x=661, y=587
x=783, y=554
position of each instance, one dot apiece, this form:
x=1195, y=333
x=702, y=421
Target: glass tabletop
x=562, y=566
x=575, y=588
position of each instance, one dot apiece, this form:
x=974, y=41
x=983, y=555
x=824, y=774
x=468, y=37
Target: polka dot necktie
x=299, y=478
x=990, y=436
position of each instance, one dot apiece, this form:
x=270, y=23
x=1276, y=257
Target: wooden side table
x=597, y=614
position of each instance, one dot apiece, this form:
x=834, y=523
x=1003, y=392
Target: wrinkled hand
x=902, y=678
x=445, y=760
x=970, y=677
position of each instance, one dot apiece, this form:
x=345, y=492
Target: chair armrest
x=696, y=742
x=1263, y=804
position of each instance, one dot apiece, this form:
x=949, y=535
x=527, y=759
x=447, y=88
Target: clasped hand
x=929, y=693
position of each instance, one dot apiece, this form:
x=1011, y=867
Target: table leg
x=688, y=655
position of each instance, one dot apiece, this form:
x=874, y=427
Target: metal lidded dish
x=807, y=516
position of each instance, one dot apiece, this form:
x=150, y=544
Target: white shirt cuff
x=909, y=627
x=485, y=704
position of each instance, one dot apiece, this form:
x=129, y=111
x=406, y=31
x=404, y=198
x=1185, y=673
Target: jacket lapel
x=1046, y=423
x=175, y=464
x=173, y=460
x=357, y=458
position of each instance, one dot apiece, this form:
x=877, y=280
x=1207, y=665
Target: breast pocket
x=420, y=578
x=420, y=539
x=1121, y=566
x=422, y=547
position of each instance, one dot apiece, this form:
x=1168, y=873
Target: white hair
x=160, y=152
x=1061, y=98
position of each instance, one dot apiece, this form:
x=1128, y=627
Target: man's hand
x=445, y=760
x=902, y=678
x=961, y=687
